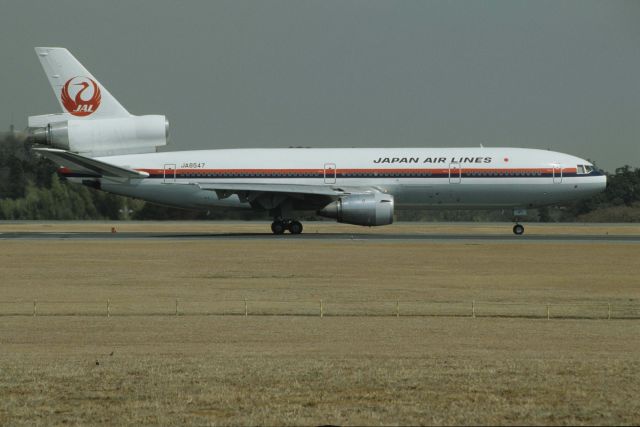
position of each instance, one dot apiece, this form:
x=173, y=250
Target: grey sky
x=563, y=75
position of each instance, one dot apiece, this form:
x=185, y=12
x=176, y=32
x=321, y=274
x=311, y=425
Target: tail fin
x=77, y=91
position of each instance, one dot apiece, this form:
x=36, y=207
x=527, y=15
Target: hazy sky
x=563, y=75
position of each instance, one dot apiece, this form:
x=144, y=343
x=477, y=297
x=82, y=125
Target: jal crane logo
x=81, y=96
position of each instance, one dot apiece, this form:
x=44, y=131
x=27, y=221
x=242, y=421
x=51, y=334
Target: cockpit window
x=584, y=169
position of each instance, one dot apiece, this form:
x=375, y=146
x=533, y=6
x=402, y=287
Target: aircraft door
x=329, y=173
x=455, y=173
x=169, y=174
x=557, y=174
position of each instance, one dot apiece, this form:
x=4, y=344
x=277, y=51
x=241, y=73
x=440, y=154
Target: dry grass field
x=272, y=370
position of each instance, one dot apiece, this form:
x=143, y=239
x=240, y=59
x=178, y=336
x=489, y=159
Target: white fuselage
x=416, y=177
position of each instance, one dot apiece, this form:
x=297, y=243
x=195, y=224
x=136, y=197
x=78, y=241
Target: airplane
x=98, y=143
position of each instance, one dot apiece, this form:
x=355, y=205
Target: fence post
x=108, y=307
x=176, y=306
x=397, y=308
x=321, y=310
x=548, y=312
x=246, y=309
x=34, y=308
x=473, y=309
x=609, y=311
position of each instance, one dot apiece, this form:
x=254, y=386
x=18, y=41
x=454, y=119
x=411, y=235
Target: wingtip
x=49, y=149
x=45, y=49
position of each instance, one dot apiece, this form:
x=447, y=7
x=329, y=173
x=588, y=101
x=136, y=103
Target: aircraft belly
x=178, y=195
x=485, y=194
x=469, y=193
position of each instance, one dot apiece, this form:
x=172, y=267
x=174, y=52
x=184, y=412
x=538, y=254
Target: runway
x=377, y=237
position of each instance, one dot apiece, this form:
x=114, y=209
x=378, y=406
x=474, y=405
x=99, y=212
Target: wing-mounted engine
x=372, y=208
x=101, y=137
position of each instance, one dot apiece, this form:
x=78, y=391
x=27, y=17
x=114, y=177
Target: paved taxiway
x=470, y=237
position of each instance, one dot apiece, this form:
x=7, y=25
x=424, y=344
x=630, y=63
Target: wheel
x=277, y=227
x=295, y=227
x=518, y=229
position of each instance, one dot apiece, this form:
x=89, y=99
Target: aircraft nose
x=601, y=176
x=599, y=181
x=603, y=182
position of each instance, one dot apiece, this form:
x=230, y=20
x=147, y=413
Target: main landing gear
x=279, y=226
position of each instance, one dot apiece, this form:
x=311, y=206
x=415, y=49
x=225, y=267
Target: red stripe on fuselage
x=342, y=171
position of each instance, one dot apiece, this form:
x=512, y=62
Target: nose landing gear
x=518, y=213
x=518, y=229
x=279, y=226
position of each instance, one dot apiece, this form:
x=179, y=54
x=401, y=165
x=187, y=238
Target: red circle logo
x=81, y=96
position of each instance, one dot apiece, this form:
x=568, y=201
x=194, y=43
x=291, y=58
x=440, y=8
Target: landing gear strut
x=279, y=226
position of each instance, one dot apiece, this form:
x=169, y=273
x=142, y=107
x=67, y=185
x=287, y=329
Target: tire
x=277, y=227
x=295, y=227
x=518, y=229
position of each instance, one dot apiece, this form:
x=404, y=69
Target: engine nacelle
x=105, y=137
x=370, y=209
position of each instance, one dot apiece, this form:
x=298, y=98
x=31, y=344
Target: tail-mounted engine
x=102, y=137
x=374, y=208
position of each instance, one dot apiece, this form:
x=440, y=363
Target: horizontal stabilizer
x=80, y=163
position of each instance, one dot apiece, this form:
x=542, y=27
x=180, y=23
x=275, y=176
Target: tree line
x=31, y=189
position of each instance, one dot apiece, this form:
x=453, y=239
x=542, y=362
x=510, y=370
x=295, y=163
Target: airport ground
x=199, y=369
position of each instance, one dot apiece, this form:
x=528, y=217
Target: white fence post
x=108, y=307
x=321, y=310
x=246, y=309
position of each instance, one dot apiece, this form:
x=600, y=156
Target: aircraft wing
x=272, y=195
x=301, y=189
x=79, y=163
